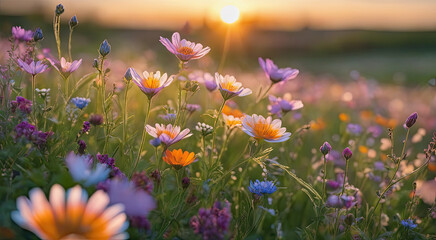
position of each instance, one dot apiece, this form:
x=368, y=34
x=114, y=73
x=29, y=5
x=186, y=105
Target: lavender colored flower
x=347, y=153
x=29, y=132
x=379, y=166
x=32, y=68
x=261, y=188
x=86, y=127
x=333, y=201
x=96, y=119
x=24, y=129
x=80, y=103
x=184, y=50
x=354, y=129
x=23, y=104
x=408, y=224
x=82, y=147
x=206, y=78
x=191, y=108
x=375, y=131
x=333, y=186
x=39, y=138
x=81, y=169
x=348, y=201
x=20, y=34
x=106, y=159
x=212, y=223
x=411, y=120
x=140, y=222
x=278, y=105
x=325, y=148
x=65, y=68
x=141, y=181
x=169, y=117
x=137, y=202
x=276, y=74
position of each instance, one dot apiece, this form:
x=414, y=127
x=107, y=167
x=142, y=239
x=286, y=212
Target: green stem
x=125, y=120
x=69, y=44
x=214, y=131
x=265, y=93
x=324, y=177
x=342, y=193
x=144, y=135
x=56, y=28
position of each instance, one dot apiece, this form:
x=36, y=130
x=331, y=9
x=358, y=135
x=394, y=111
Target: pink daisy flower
x=184, y=49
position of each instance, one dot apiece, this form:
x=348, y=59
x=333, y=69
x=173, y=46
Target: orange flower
x=363, y=149
x=231, y=121
x=232, y=111
x=178, y=158
x=344, y=117
x=366, y=114
x=318, y=124
x=385, y=122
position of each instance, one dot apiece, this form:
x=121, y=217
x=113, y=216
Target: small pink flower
x=276, y=74
x=21, y=34
x=151, y=84
x=32, y=68
x=184, y=49
x=168, y=134
x=65, y=68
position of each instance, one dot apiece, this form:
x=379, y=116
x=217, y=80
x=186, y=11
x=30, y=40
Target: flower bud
x=185, y=182
x=411, y=120
x=96, y=119
x=155, y=175
x=105, y=48
x=37, y=35
x=128, y=75
x=347, y=153
x=333, y=201
x=155, y=142
x=325, y=148
x=59, y=9
x=73, y=22
x=95, y=63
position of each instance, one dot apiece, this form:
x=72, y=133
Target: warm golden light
x=229, y=14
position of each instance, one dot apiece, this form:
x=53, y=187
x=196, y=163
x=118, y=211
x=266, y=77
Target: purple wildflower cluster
x=24, y=105
x=86, y=127
x=116, y=172
x=141, y=181
x=28, y=131
x=212, y=223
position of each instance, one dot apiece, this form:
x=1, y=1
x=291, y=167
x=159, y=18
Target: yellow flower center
x=229, y=86
x=151, y=82
x=264, y=131
x=171, y=134
x=234, y=122
x=185, y=50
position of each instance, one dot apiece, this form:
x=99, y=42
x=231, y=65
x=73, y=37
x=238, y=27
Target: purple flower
x=29, y=132
x=354, y=129
x=411, y=120
x=347, y=153
x=206, y=78
x=186, y=182
x=212, y=223
x=24, y=129
x=169, y=117
x=140, y=222
x=65, y=68
x=262, y=187
x=82, y=147
x=333, y=186
x=137, y=202
x=23, y=104
x=276, y=74
x=278, y=105
x=96, y=119
x=375, y=130
x=335, y=156
x=141, y=181
x=184, y=50
x=333, y=201
x=325, y=148
x=86, y=127
x=32, y=68
x=20, y=34
x=348, y=201
x=191, y=108
x=106, y=159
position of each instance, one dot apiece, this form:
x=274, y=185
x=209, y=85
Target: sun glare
x=229, y=14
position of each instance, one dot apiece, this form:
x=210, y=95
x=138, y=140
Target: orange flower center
x=185, y=50
x=229, y=86
x=265, y=131
x=171, y=134
x=234, y=122
x=151, y=82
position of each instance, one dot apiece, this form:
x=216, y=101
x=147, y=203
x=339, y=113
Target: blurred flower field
x=105, y=150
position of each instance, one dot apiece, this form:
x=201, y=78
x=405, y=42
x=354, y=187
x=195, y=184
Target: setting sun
x=229, y=14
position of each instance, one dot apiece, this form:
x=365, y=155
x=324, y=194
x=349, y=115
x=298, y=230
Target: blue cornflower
x=80, y=102
x=261, y=188
x=408, y=223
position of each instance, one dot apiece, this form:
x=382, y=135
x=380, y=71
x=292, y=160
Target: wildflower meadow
x=100, y=145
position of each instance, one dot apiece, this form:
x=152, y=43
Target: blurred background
x=391, y=41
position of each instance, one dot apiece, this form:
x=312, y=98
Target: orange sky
x=272, y=14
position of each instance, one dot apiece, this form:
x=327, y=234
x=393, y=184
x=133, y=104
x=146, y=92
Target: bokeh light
x=229, y=14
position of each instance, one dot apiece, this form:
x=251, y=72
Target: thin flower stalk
x=144, y=135
x=214, y=131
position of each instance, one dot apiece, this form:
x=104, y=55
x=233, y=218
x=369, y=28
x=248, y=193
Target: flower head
x=81, y=169
x=408, y=223
x=151, y=84
x=105, y=48
x=23, y=104
x=37, y=35
x=347, y=153
x=59, y=9
x=232, y=121
x=96, y=119
x=168, y=134
x=204, y=129
x=178, y=159
x=212, y=223
x=33, y=68
x=354, y=129
x=80, y=103
x=71, y=215
x=229, y=87
x=141, y=181
x=262, y=187
x=325, y=148
x=278, y=105
x=276, y=74
x=44, y=93
x=73, y=21
x=65, y=68
x=411, y=120
x=191, y=108
x=267, y=129
x=155, y=142
x=184, y=50
x=206, y=78
x=20, y=34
